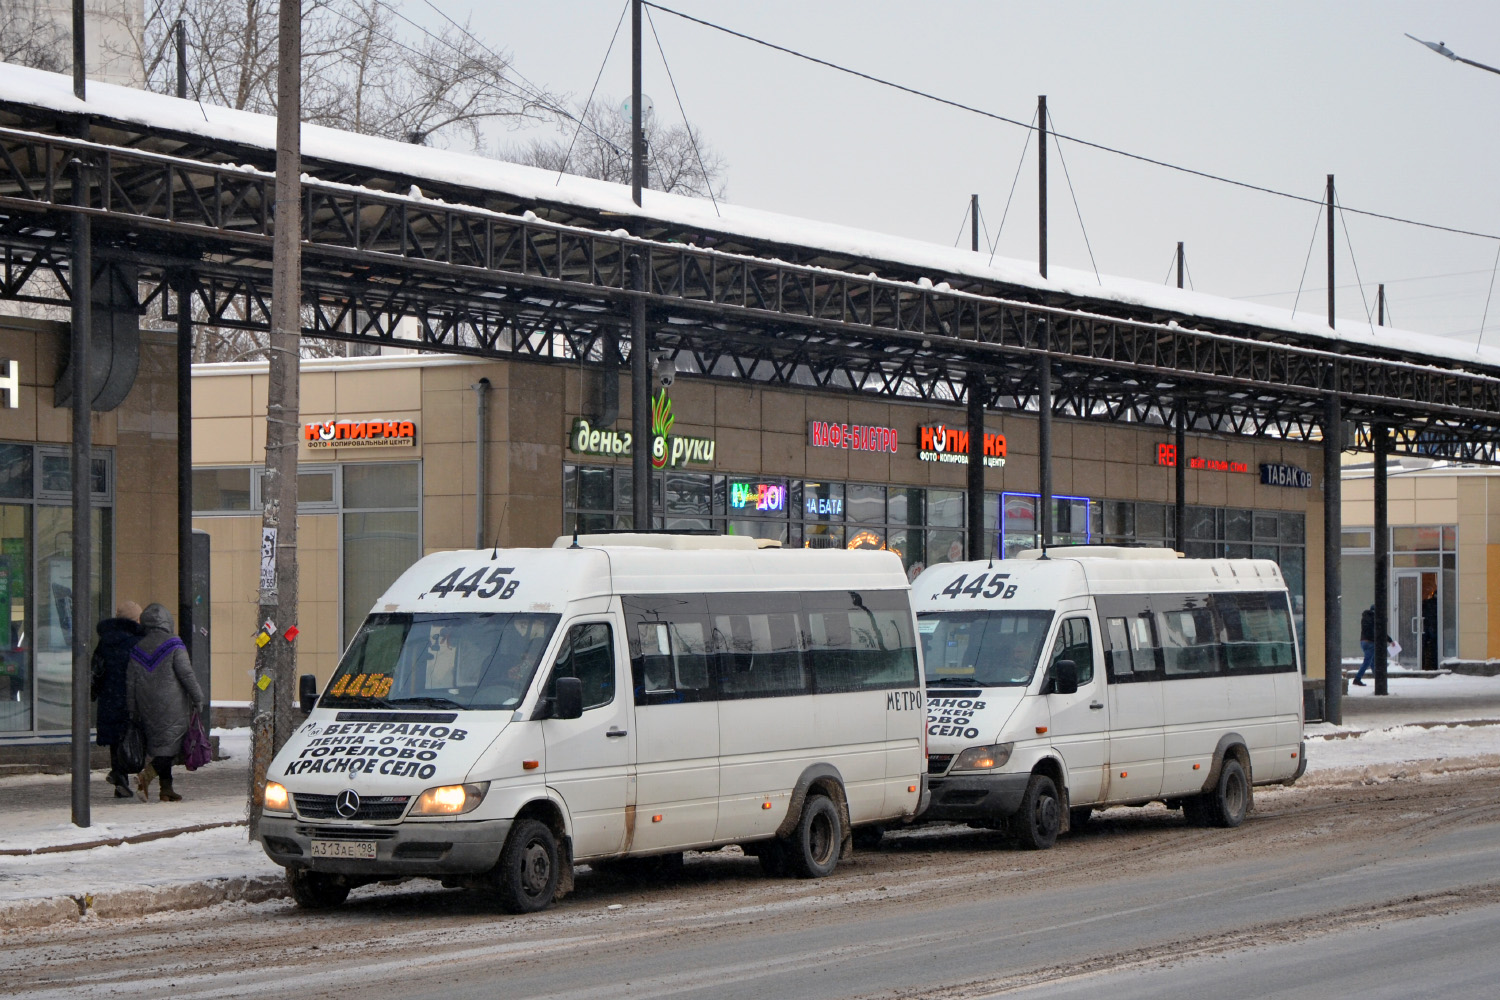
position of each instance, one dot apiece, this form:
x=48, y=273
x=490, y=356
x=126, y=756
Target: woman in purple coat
x=162, y=694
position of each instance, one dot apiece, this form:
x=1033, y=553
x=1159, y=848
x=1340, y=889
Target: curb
x=137, y=838
x=138, y=901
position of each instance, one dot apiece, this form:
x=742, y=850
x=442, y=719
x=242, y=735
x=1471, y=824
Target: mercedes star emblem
x=347, y=803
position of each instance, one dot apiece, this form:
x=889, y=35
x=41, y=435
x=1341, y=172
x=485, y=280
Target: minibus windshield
x=984, y=648
x=452, y=661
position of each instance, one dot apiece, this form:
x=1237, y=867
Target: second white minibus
x=503, y=714
x=1100, y=676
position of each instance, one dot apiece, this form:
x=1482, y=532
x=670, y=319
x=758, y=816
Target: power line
x=1082, y=142
x=692, y=139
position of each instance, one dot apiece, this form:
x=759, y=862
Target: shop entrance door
x=1414, y=618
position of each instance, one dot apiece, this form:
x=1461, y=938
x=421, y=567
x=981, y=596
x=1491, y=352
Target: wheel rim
x=820, y=838
x=1045, y=817
x=536, y=868
x=1234, y=794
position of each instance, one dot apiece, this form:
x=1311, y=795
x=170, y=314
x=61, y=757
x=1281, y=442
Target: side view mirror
x=1064, y=677
x=307, y=693
x=567, y=698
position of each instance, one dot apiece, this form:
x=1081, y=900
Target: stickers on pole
x=264, y=682
x=269, y=627
x=260, y=640
x=292, y=632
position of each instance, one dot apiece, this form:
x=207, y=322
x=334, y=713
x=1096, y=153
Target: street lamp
x=1443, y=50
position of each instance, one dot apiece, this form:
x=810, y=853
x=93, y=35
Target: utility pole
x=180, y=28
x=1181, y=263
x=1330, y=251
x=84, y=604
x=1380, y=305
x=974, y=222
x=637, y=114
x=275, y=667
x=1041, y=184
x=79, y=84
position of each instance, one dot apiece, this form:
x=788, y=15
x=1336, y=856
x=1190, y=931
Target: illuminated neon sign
x=767, y=498
x=940, y=443
x=360, y=434
x=851, y=437
x=668, y=450
x=1166, y=454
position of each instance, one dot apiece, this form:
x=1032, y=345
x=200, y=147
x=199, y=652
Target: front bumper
x=404, y=849
x=975, y=797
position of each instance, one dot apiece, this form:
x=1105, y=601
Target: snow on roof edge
x=23, y=85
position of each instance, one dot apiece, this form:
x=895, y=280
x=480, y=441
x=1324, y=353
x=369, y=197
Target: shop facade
x=1443, y=561
x=805, y=468
x=133, y=485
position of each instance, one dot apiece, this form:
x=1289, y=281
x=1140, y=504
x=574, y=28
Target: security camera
x=666, y=369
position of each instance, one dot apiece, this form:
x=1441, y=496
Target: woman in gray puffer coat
x=162, y=692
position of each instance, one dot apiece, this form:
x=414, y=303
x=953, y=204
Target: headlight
x=277, y=799
x=983, y=758
x=450, y=800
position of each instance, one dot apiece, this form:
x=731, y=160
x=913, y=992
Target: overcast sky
x=1276, y=94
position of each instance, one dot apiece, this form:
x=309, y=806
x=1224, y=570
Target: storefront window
x=866, y=504
x=15, y=658
x=381, y=540
x=56, y=615
x=221, y=490
x=15, y=471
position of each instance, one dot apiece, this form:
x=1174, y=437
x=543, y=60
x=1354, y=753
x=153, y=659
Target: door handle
x=1096, y=704
x=616, y=732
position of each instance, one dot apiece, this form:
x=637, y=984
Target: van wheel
x=813, y=850
x=1078, y=817
x=1039, y=820
x=1229, y=802
x=527, y=873
x=316, y=890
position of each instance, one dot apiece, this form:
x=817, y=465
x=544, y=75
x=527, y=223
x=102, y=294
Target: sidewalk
x=136, y=857
x=195, y=852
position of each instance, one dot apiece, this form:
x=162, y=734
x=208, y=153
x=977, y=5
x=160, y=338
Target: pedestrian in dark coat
x=111, y=659
x=162, y=694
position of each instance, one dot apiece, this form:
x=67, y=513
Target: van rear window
x=454, y=661
x=983, y=648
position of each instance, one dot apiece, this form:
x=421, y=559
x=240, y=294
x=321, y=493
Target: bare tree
x=364, y=69
x=30, y=35
x=677, y=158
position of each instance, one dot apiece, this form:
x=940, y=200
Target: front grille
x=375, y=807
x=346, y=833
x=937, y=763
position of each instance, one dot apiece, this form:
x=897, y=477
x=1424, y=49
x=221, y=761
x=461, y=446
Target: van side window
x=1143, y=647
x=1257, y=633
x=760, y=655
x=674, y=656
x=1189, y=642
x=1075, y=642
x=588, y=653
x=1117, y=658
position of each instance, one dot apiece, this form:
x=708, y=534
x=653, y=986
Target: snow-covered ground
x=1424, y=718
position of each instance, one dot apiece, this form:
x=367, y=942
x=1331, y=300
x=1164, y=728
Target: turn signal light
x=1124, y=774
x=530, y=765
x=1294, y=755
x=765, y=805
x=1040, y=730
x=656, y=818
x=911, y=788
x=1196, y=766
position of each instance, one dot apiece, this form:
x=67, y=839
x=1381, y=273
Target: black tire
x=868, y=838
x=813, y=849
x=1227, y=804
x=1036, y=824
x=1078, y=817
x=526, y=876
x=316, y=890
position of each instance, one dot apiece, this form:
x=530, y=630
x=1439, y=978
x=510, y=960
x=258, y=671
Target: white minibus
x=1096, y=676
x=504, y=714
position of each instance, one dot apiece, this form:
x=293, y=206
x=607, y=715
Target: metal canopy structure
x=488, y=274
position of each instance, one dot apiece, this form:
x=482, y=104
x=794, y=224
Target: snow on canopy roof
x=54, y=91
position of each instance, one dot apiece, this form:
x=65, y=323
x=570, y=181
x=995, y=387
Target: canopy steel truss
x=482, y=282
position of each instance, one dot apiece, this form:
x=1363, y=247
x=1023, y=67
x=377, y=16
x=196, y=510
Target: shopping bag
x=1393, y=651
x=132, y=752
x=196, y=750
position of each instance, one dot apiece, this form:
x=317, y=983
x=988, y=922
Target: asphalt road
x=1378, y=887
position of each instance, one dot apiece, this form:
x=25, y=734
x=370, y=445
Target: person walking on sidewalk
x=117, y=636
x=1366, y=643
x=163, y=692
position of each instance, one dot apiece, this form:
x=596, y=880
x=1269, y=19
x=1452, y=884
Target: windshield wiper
x=966, y=682
x=425, y=702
